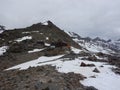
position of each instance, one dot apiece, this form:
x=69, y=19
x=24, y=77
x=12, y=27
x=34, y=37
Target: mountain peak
x=42, y=24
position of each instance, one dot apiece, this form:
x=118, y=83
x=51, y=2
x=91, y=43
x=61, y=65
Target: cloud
x=86, y=17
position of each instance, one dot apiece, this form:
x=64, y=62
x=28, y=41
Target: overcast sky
x=87, y=17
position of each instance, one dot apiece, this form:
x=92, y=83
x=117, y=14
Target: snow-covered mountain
x=96, y=44
x=115, y=45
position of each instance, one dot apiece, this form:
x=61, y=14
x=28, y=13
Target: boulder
x=83, y=64
x=96, y=70
x=86, y=65
x=92, y=58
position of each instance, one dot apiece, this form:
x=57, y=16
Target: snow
x=47, y=44
x=45, y=23
x=41, y=33
x=101, y=58
x=93, y=47
x=34, y=63
x=25, y=32
x=104, y=81
x=35, y=50
x=69, y=33
x=3, y=50
x=47, y=38
x=75, y=50
x=35, y=31
x=23, y=38
x=30, y=32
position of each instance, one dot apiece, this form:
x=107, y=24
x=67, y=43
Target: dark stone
x=83, y=64
x=91, y=88
x=96, y=70
x=86, y=65
x=90, y=65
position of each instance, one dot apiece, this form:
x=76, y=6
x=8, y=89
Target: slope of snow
x=93, y=47
x=104, y=81
x=23, y=38
x=34, y=63
x=69, y=33
x=3, y=50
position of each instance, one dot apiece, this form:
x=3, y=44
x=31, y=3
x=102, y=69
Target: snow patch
x=35, y=31
x=3, y=50
x=45, y=23
x=47, y=44
x=75, y=50
x=25, y=32
x=35, y=50
x=41, y=33
x=24, y=38
x=106, y=80
x=47, y=38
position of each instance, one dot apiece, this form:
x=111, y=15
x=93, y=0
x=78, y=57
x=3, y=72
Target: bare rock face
x=96, y=70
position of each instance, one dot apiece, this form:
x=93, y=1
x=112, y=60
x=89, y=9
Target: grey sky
x=86, y=17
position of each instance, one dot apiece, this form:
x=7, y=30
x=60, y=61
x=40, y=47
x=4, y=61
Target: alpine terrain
x=44, y=57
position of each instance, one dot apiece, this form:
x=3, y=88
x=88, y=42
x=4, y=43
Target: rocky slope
x=40, y=78
x=20, y=42
x=44, y=57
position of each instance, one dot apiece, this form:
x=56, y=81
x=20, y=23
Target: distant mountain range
x=97, y=44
